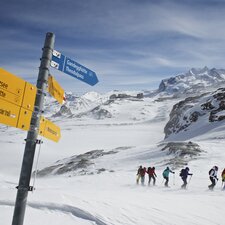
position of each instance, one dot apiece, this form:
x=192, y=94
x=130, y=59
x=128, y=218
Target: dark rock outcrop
x=188, y=111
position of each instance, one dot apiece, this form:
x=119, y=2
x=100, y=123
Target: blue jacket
x=166, y=172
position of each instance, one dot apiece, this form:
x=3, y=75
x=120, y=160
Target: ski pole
x=190, y=179
x=174, y=179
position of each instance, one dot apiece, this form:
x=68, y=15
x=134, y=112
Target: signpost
x=18, y=109
x=31, y=140
x=72, y=68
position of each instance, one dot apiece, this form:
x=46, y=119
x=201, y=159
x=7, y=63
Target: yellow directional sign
x=17, y=98
x=14, y=116
x=24, y=119
x=42, y=126
x=8, y=96
x=29, y=96
x=11, y=83
x=55, y=89
x=17, y=91
x=49, y=130
x=9, y=113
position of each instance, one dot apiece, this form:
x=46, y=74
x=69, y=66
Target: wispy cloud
x=125, y=42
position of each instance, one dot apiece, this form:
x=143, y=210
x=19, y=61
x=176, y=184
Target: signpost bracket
x=38, y=141
x=30, y=188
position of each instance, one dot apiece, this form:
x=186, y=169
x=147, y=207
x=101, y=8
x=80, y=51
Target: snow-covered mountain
x=101, y=106
x=96, y=106
x=193, y=82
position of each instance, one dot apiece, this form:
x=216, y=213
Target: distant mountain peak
x=193, y=81
x=198, y=71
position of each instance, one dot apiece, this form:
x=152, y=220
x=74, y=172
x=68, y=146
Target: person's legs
x=185, y=182
x=153, y=180
x=213, y=183
x=149, y=179
x=142, y=180
x=167, y=181
x=138, y=178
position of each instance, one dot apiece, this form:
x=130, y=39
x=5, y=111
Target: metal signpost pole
x=28, y=158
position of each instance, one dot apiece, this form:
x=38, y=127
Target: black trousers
x=167, y=181
x=185, y=182
x=213, y=180
x=151, y=177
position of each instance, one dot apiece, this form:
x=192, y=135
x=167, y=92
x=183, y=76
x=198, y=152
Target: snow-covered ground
x=134, y=131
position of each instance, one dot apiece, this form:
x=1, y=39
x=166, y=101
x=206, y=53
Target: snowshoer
x=166, y=175
x=213, y=177
x=184, y=173
x=143, y=171
x=223, y=179
x=139, y=174
x=151, y=175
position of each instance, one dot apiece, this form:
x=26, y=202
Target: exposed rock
x=140, y=95
x=187, y=112
x=101, y=113
x=179, y=120
x=183, y=152
x=126, y=96
x=76, y=165
x=64, y=111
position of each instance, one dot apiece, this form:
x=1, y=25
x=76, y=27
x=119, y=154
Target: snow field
x=113, y=198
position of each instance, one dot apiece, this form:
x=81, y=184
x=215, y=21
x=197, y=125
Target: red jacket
x=151, y=171
x=143, y=171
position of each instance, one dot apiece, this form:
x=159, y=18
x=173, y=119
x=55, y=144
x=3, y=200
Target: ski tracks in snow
x=67, y=209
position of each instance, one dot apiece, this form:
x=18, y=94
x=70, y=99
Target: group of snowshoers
x=184, y=173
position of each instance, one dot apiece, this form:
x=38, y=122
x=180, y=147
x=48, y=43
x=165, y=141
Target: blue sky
x=130, y=44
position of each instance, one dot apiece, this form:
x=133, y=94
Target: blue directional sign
x=72, y=68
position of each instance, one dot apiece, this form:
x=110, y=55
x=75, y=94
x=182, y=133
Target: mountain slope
x=197, y=115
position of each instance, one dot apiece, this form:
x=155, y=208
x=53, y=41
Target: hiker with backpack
x=223, y=179
x=184, y=173
x=138, y=174
x=151, y=175
x=141, y=174
x=213, y=177
x=165, y=174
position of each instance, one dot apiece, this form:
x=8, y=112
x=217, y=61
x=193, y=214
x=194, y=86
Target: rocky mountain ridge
x=201, y=110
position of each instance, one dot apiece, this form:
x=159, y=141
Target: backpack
x=223, y=173
x=182, y=173
x=210, y=171
x=142, y=172
x=151, y=171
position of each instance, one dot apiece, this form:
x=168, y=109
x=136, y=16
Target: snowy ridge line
x=82, y=214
